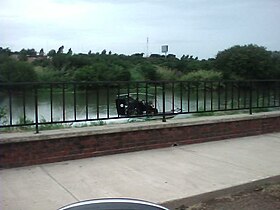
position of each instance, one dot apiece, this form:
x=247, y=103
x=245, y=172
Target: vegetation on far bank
x=237, y=63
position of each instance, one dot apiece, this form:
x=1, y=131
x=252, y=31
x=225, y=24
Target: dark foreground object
x=262, y=197
x=113, y=204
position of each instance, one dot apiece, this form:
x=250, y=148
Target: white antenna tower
x=147, y=52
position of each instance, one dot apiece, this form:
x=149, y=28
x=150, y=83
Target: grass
x=257, y=110
x=52, y=126
x=166, y=74
x=202, y=113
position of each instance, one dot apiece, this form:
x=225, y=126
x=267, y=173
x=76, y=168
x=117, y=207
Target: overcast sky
x=196, y=27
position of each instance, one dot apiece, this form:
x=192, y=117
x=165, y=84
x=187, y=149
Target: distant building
x=15, y=56
x=29, y=58
x=32, y=58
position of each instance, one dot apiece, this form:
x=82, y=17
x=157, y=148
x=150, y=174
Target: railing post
x=97, y=101
x=173, y=98
x=63, y=102
x=163, y=102
x=36, y=109
x=10, y=105
x=75, y=101
x=181, y=96
x=251, y=98
x=24, y=103
x=51, y=101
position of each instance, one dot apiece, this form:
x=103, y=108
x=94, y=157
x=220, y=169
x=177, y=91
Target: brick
x=53, y=150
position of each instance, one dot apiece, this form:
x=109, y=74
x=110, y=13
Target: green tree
x=102, y=72
x=202, y=75
x=276, y=64
x=4, y=58
x=103, y=52
x=69, y=52
x=78, y=61
x=60, y=61
x=119, y=73
x=23, y=55
x=86, y=73
x=60, y=50
x=245, y=62
x=41, y=53
x=46, y=74
x=17, y=71
x=188, y=63
x=51, y=53
x=149, y=71
x=31, y=52
x=5, y=51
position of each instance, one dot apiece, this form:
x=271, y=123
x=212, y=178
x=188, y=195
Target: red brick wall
x=15, y=154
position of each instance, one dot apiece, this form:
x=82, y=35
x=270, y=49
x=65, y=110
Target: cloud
x=198, y=27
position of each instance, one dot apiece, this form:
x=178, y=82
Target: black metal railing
x=38, y=104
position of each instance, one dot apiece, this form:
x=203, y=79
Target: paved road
x=156, y=175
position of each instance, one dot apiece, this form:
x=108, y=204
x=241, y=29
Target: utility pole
x=147, y=52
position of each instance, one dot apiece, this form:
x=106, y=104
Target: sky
x=192, y=27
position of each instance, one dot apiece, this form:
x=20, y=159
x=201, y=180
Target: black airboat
x=135, y=104
x=139, y=105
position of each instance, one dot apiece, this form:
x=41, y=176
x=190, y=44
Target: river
x=92, y=104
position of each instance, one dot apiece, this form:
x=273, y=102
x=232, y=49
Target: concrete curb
x=119, y=128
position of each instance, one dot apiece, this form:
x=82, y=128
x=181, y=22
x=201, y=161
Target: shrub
x=47, y=74
x=102, y=72
x=17, y=71
x=167, y=74
x=86, y=73
x=202, y=75
x=149, y=71
x=3, y=116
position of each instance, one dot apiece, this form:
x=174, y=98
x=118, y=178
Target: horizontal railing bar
x=226, y=96
x=132, y=82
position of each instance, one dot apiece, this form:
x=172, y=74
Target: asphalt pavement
x=157, y=176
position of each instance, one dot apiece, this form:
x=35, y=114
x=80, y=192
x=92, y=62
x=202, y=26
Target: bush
x=202, y=75
x=119, y=73
x=46, y=74
x=149, y=71
x=86, y=73
x=3, y=116
x=17, y=71
x=102, y=72
x=135, y=73
x=167, y=74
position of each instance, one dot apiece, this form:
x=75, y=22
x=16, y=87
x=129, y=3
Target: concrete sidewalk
x=156, y=175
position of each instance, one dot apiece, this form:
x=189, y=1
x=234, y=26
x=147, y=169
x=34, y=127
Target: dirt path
x=266, y=197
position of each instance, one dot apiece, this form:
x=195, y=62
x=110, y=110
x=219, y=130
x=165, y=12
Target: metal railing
x=38, y=104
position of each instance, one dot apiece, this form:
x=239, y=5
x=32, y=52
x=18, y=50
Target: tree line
x=235, y=63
